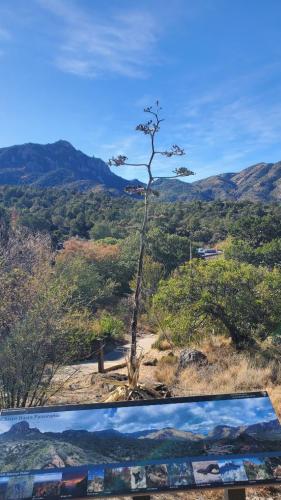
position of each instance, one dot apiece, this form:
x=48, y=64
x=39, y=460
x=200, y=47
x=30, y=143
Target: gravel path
x=115, y=357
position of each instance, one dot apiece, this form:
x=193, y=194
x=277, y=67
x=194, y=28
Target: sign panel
x=139, y=447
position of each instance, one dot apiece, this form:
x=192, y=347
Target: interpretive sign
x=139, y=447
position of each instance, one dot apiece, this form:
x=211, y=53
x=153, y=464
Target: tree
x=257, y=229
x=33, y=343
x=96, y=274
x=171, y=250
x=268, y=254
x=231, y=297
x=240, y=250
x=150, y=129
x=35, y=348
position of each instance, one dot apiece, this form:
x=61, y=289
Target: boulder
x=189, y=357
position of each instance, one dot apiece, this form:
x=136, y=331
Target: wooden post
x=235, y=494
x=100, y=357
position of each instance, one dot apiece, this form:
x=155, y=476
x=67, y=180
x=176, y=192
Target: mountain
x=20, y=429
x=267, y=429
x=170, y=433
x=226, y=432
x=60, y=164
x=23, y=447
x=260, y=182
x=57, y=164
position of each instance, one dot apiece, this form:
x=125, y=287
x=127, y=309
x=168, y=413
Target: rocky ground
x=225, y=373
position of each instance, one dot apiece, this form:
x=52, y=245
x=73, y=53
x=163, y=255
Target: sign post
x=235, y=494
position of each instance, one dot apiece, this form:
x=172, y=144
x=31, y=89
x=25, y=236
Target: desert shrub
x=222, y=296
x=110, y=326
x=161, y=343
x=85, y=331
x=31, y=355
x=33, y=344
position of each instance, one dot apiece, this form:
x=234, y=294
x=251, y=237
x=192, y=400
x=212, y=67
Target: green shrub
x=110, y=326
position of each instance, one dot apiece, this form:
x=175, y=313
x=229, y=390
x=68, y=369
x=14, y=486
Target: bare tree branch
x=174, y=151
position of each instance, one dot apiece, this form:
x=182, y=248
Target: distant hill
x=57, y=164
x=61, y=165
x=261, y=182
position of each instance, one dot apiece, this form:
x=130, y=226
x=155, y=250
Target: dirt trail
x=112, y=358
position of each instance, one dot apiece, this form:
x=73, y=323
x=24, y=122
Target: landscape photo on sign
x=47, y=485
x=138, y=433
x=95, y=480
x=232, y=471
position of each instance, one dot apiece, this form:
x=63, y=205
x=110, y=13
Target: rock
x=163, y=390
x=120, y=377
x=191, y=356
x=150, y=362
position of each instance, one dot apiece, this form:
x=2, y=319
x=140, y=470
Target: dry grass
x=226, y=372
x=166, y=374
x=162, y=344
x=166, y=369
x=252, y=494
x=235, y=374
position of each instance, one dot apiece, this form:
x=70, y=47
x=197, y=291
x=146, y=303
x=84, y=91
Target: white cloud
x=217, y=122
x=195, y=417
x=228, y=123
x=117, y=43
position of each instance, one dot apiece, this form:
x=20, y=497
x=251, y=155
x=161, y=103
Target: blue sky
x=53, y=476
x=82, y=70
x=194, y=417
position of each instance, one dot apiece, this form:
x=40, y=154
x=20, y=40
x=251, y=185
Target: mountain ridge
x=56, y=164
x=218, y=432
x=60, y=164
x=26, y=448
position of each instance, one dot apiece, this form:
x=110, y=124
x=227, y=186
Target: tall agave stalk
x=150, y=129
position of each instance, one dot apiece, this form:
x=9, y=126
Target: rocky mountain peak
x=20, y=427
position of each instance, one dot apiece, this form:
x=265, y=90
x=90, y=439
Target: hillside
x=261, y=182
x=61, y=165
x=57, y=164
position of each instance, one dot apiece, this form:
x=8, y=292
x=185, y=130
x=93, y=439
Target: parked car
x=204, y=253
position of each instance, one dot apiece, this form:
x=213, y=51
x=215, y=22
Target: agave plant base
x=132, y=389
